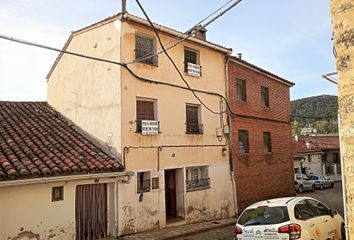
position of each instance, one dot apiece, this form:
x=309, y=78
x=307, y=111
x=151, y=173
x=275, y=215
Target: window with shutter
x=243, y=146
x=193, y=126
x=144, y=111
x=145, y=46
x=241, y=90
x=267, y=142
x=265, y=96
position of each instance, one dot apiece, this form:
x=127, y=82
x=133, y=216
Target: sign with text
x=149, y=127
x=193, y=69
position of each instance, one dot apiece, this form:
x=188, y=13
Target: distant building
x=261, y=133
x=320, y=154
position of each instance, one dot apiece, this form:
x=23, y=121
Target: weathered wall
x=215, y=202
x=343, y=29
x=157, y=153
x=260, y=175
x=89, y=92
x=27, y=212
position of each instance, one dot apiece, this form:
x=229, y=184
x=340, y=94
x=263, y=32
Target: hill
x=319, y=112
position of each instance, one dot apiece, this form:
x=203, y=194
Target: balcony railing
x=194, y=128
x=144, y=186
x=198, y=184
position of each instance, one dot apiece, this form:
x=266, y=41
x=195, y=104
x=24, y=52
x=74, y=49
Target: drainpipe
x=343, y=182
x=116, y=217
x=231, y=152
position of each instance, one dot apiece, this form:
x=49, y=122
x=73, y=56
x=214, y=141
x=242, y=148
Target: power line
x=12, y=39
x=173, y=63
x=32, y=44
x=186, y=35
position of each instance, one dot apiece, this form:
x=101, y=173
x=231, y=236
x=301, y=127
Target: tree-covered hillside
x=319, y=112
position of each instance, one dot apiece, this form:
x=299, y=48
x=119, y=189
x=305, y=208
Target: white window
x=197, y=178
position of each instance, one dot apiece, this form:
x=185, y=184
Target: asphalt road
x=332, y=198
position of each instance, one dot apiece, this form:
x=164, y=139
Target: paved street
x=331, y=197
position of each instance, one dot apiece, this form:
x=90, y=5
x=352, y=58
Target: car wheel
x=321, y=186
x=332, y=185
x=342, y=232
x=300, y=189
x=313, y=188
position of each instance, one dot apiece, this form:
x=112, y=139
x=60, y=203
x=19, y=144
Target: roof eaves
x=77, y=32
x=261, y=70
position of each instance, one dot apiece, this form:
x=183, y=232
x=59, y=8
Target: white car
x=289, y=218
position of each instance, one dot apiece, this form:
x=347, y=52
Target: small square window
x=197, y=178
x=241, y=90
x=155, y=183
x=143, y=182
x=57, y=194
x=265, y=96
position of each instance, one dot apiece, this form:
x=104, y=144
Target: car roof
x=277, y=202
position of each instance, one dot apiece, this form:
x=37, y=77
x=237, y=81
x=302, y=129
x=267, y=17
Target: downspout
x=116, y=217
x=231, y=152
x=344, y=192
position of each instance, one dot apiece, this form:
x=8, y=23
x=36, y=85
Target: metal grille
x=196, y=183
x=195, y=128
x=144, y=47
x=144, y=185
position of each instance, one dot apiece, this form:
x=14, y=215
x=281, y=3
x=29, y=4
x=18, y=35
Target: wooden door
x=91, y=211
x=170, y=193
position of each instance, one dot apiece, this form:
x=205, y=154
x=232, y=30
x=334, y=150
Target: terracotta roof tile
x=36, y=141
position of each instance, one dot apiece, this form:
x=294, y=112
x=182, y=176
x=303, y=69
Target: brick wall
x=260, y=175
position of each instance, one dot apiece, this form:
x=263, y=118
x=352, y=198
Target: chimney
x=200, y=33
x=308, y=145
x=296, y=138
x=124, y=6
x=239, y=55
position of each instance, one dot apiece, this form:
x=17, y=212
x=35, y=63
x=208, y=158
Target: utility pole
x=342, y=12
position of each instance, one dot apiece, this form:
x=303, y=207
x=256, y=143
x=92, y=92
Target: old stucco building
x=177, y=149
x=343, y=34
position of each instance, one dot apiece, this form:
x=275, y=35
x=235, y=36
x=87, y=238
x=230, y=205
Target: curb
x=189, y=233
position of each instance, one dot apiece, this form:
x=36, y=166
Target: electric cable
x=12, y=39
x=173, y=63
x=184, y=36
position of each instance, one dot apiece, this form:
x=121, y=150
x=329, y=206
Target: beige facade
x=101, y=98
x=342, y=12
x=39, y=217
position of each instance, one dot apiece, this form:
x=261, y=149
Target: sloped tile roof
x=323, y=141
x=300, y=147
x=36, y=141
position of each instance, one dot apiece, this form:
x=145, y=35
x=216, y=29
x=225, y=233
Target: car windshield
x=313, y=177
x=264, y=216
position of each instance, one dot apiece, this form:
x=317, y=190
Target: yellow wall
x=88, y=92
x=105, y=102
x=27, y=212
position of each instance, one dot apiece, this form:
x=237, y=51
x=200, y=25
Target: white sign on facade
x=149, y=127
x=193, y=69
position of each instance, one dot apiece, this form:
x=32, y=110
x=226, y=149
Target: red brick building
x=261, y=133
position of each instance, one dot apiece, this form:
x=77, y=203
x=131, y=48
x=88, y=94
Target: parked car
x=289, y=218
x=321, y=181
x=302, y=183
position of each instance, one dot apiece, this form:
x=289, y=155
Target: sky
x=289, y=38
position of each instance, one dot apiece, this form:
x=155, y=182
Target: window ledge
x=192, y=189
